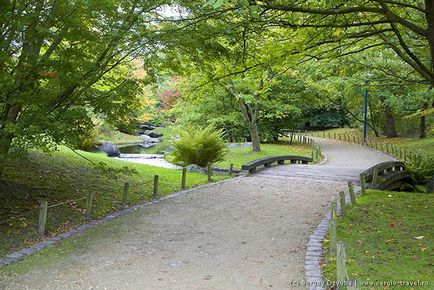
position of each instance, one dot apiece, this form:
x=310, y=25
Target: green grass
x=76, y=245
x=64, y=176
x=389, y=237
x=107, y=134
x=423, y=146
x=240, y=156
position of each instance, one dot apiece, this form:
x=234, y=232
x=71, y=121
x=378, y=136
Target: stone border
x=21, y=254
x=314, y=251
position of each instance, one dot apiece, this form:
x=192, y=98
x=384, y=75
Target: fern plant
x=421, y=168
x=198, y=146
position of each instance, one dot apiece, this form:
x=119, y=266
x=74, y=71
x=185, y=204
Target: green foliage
x=64, y=63
x=199, y=146
x=88, y=141
x=421, y=168
x=388, y=237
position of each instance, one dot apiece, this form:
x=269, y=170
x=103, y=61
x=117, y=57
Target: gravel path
x=245, y=233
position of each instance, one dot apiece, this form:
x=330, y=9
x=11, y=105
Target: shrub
x=88, y=140
x=198, y=146
x=421, y=168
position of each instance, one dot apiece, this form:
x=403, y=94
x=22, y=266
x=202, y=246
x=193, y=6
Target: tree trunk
x=429, y=6
x=254, y=134
x=390, y=122
x=422, y=127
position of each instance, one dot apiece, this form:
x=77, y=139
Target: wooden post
x=343, y=204
x=43, y=218
x=341, y=267
x=231, y=168
x=184, y=177
x=432, y=185
x=155, y=191
x=328, y=135
x=209, y=171
x=375, y=177
x=354, y=139
x=88, y=212
x=362, y=184
x=351, y=191
x=332, y=229
x=125, y=193
x=334, y=136
x=340, y=137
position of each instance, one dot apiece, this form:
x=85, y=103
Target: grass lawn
x=240, y=156
x=389, y=236
x=63, y=176
x=423, y=146
x=107, y=134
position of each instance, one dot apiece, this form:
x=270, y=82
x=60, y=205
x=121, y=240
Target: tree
x=223, y=49
x=62, y=61
x=338, y=28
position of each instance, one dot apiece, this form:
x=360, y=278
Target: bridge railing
x=268, y=161
x=389, y=175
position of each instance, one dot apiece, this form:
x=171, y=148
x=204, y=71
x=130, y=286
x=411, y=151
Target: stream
x=149, y=159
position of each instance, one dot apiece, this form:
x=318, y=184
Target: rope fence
x=390, y=149
x=301, y=137
x=337, y=248
x=152, y=192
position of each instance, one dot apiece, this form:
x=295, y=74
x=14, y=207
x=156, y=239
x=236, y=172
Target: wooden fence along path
x=390, y=149
x=372, y=178
x=312, y=171
x=337, y=248
x=89, y=199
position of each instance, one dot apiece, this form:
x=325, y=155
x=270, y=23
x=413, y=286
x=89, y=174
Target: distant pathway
x=245, y=233
x=345, y=162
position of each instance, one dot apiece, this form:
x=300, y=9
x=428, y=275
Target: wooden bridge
x=389, y=175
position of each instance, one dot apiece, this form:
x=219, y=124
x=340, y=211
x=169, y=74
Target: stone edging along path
x=19, y=255
x=314, y=278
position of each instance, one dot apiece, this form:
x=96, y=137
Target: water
x=149, y=159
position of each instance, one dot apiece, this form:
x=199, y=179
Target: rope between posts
x=65, y=202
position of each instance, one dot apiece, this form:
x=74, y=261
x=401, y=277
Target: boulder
x=239, y=145
x=147, y=127
x=145, y=138
x=111, y=149
x=154, y=134
x=196, y=168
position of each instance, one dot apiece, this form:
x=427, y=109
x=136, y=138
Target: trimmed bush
x=198, y=146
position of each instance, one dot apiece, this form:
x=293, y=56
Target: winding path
x=244, y=233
